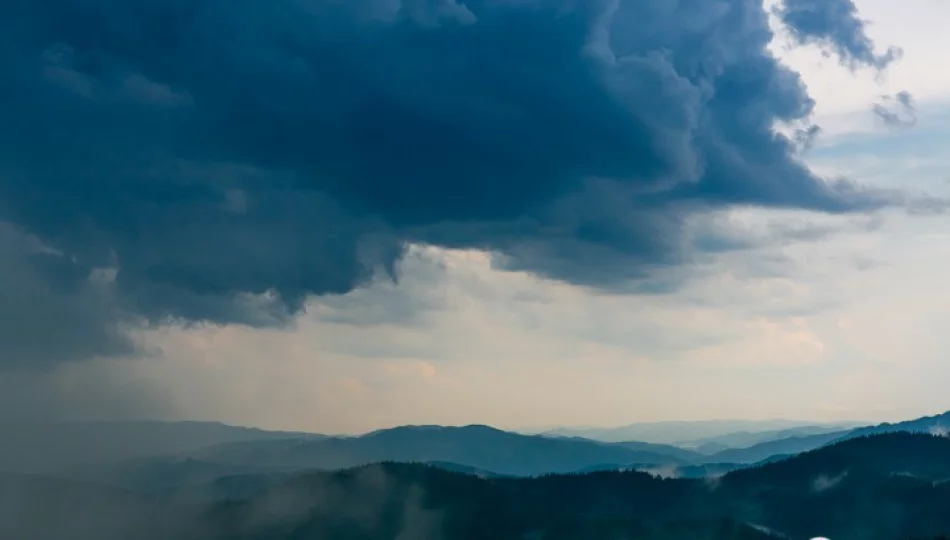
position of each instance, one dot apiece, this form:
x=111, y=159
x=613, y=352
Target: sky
x=338, y=217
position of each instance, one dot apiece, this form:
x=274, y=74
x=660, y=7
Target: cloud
x=224, y=162
x=805, y=137
x=835, y=26
x=49, y=310
x=809, y=342
x=898, y=110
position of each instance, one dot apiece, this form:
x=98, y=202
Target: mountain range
x=890, y=486
x=792, y=445
x=481, y=447
x=729, y=433
x=175, y=457
x=746, y=439
x=508, y=453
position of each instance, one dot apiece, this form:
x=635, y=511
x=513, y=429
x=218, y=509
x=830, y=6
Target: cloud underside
x=211, y=161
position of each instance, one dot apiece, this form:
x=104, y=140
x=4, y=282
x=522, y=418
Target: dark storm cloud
x=49, y=310
x=835, y=26
x=228, y=159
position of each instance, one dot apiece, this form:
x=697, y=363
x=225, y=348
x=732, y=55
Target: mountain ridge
x=476, y=446
x=677, y=432
x=875, y=487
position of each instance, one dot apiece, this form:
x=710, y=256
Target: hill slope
x=761, y=451
x=480, y=447
x=885, y=486
x=745, y=439
x=938, y=425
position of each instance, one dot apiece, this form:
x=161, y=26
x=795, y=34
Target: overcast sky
x=717, y=301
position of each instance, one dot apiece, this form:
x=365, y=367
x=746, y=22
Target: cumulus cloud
x=225, y=161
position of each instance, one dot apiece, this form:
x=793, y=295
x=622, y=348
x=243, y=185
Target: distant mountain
x=45, y=447
x=675, y=432
x=937, y=425
x=480, y=447
x=662, y=449
x=759, y=452
x=706, y=448
x=160, y=457
x=745, y=439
